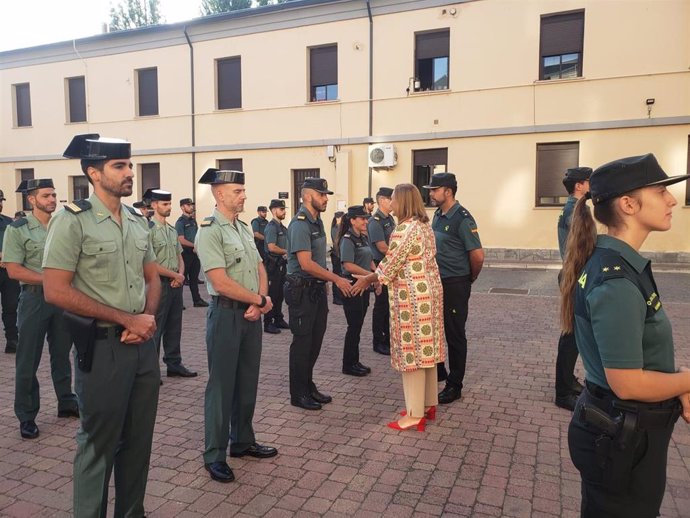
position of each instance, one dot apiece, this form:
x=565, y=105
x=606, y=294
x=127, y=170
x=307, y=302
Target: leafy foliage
x=130, y=14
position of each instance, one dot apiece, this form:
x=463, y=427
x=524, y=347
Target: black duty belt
x=225, y=302
x=32, y=288
x=304, y=282
x=110, y=331
x=650, y=416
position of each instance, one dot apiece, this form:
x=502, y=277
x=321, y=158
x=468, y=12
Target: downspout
x=371, y=86
x=191, y=75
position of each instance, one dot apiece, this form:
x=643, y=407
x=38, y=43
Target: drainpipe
x=191, y=75
x=371, y=85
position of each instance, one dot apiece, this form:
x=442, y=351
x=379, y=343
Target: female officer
x=622, y=424
x=356, y=258
x=335, y=260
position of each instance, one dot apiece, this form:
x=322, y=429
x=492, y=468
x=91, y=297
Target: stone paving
x=499, y=451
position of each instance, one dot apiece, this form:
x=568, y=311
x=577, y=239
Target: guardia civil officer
x=379, y=228
x=368, y=204
x=259, y=227
x=9, y=291
x=305, y=292
x=576, y=182
x=37, y=320
x=170, y=264
x=238, y=287
x=460, y=258
x=622, y=424
x=275, y=259
x=187, y=227
x=144, y=207
x=99, y=267
x=356, y=259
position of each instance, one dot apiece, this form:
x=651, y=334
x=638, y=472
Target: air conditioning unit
x=382, y=155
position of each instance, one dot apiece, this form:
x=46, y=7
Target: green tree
x=130, y=14
x=223, y=6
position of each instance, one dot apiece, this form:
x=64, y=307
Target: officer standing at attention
x=620, y=431
x=258, y=227
x=168, y=252
x=99, y=267
x=379, y=228
x=305, y=292
x=187, y=227
x=460, y=258
x=23, y=256
x=368, y=204
x=576, y=182
x=275, y=260
x=9, y=291
x=238, y=287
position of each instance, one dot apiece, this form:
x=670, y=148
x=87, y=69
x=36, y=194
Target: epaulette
x=19, y=223
x=611, y=267
x=79, y=206
x=347, y=236
x=207, y=221
x=238, y=219
x=301, y=217
x=377, y=218
x=151, y=224
x=134, y=211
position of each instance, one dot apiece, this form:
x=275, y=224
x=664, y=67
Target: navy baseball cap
x=317, y=184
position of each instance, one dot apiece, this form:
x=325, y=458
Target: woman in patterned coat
x=415, y=293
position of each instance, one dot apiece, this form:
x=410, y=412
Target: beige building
x=504, y=93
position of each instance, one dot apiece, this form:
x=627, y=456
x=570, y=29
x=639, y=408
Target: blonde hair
x=409, y=203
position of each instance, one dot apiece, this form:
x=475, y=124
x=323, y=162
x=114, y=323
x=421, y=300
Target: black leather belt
x=225, y=302
x=103, y=333
x=32, y=288
x=304, y=282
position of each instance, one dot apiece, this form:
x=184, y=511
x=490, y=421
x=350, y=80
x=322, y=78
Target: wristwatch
x=263, y=301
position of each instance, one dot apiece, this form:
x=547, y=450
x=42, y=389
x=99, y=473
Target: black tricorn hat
x=156, y=195
x=22, y=186
x=627, y=174
x=39, y=183
x=357, y=211
x=141, y=204
x=186, y=201
x=386, y=192
x=318, y=184
x=368, y=199
x=277, y=204
x=577, y=174
x=442, y=180
x=217, y=176
x=261, y=208
x=91, y=146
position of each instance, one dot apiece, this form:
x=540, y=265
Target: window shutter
x=562, y=33
x=427, y=157
x=433, y=44
x=148, y=91
x=552, y=162
x=229, y=83
x=323, y=65
x=77, y=99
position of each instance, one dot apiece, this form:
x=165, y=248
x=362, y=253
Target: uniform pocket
x=100, y=258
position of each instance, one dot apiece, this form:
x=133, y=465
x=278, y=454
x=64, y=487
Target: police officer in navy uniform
x=379, y=229
x=460, y=258
x=622, y=423
x=9, y=291
x=187, y=227
x=275, y=260
x=259, y=227
x=368, y=204
x=305, y=293
x=576, y=182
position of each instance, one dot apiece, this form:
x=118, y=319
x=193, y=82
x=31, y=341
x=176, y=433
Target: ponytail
x=342, y=230
x=579, y=248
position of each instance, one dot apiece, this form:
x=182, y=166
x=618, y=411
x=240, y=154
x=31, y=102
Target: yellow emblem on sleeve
x=582, y=280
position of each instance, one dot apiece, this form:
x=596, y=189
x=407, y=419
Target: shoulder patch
x=207, y=221
x=611, y=267
x=151, y=224
x=79, y=206
x=301, y=217
x=377, y=218
x=238, y=219
x=134, y=211
x=19, y=223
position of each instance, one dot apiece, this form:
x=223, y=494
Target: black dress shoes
x=306, y=402
x=359, y=365
x=220, y=471
x=271, y=329
x=68, y=412
x=180, y=371
x=281, y=324
x=382, y=349
x=317, y=396
x=256, y=450
x=28, y=429
x=200, y=304
x=449, y=394
x=354, y=370
x=567, y=402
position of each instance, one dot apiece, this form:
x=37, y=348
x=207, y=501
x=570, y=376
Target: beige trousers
x=421, y=390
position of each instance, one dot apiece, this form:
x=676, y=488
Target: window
x=230, y=164
x=687, y=184
x=323, y=73
x=432, y=51
x=150, y=177
x=552, y=162
x=427, y=162
x=147, y=86
x=560, y=45
x=298, y=177
x=229, y=79
x=22, y=105
x=76, y=99
x=80, y=187
x=25, y=174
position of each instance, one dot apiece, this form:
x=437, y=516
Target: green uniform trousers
x=118, y=400
x=38, y=320
x=169, y=323
x=233, y=345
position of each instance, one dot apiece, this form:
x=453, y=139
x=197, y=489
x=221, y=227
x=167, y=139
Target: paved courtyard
x=499, y=451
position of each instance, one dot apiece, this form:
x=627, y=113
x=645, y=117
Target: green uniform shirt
x=275, y=233
x=165, y=244
x=379, y=228
x=24, y=242
x=614, y=325
x=355, y=249
x=222, y=244
x=4, y=223
x=107, y=259
x=564, y=221
x=305, y=233
x=456, y=234
x=186, y=227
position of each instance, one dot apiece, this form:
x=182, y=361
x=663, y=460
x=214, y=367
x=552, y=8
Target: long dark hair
x=334, y=221
x=343, y=228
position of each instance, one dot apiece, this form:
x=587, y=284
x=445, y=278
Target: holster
x=83, y=330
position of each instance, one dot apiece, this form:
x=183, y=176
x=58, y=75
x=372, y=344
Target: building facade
x=505, y=94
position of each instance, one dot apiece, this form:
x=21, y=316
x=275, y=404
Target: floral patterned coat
x=415, y=294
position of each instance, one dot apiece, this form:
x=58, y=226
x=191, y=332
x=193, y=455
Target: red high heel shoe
x=419, y=426
x=429, y=414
